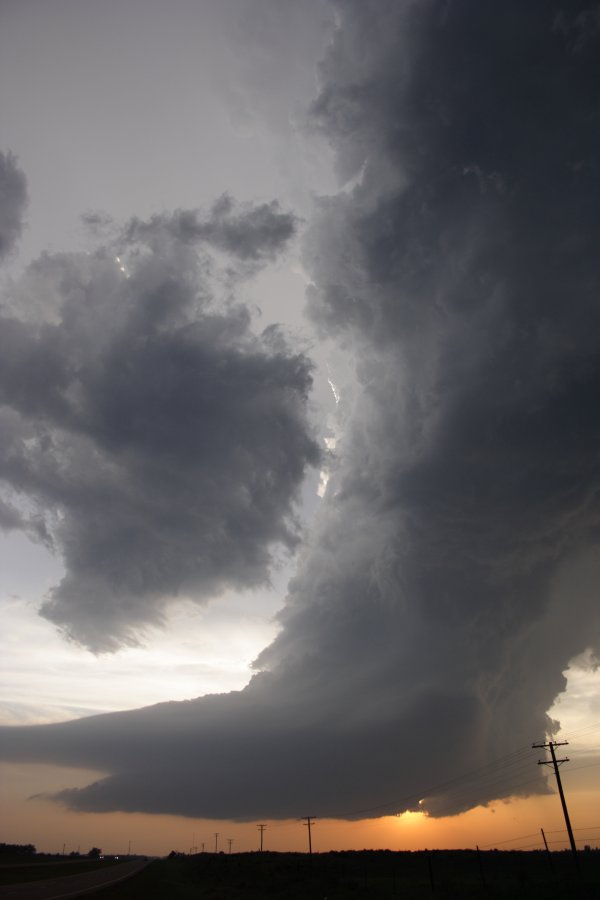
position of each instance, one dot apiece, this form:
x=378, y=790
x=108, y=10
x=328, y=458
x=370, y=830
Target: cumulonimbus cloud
x=450, y=575
x=13, y=201
x=161, y=442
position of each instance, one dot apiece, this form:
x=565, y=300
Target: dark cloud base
x=450, y=576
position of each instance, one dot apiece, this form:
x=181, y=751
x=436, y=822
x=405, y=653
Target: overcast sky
x=299, y=378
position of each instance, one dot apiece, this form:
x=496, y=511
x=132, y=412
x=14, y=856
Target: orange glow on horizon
x=515, y=823
x=412, y=817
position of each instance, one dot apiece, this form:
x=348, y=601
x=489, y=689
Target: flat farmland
x=366, y=875
x=17, y=873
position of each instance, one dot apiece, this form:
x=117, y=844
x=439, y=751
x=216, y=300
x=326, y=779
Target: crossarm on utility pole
x=261, y=828
x=310, y=820
x=550, y=745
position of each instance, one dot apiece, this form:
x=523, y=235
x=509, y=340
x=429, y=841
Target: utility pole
x=550, y=745
x=547, y=848
x=216, y=841
x=230, y=842
x=202, y=845
x=261, y=828
x=307, y=824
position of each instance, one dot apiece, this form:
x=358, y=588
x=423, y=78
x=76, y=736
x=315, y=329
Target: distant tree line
x=20, y=849
x=30, y=850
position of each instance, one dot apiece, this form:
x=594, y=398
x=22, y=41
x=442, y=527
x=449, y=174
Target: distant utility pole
x=230, y=842
x=550, y=745
x=216, y=841
x=261, y=828
x=202, y=845
x=307, y=824
x=547, y=848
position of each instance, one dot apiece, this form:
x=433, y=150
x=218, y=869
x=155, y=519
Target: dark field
x=39, y=870
x=364, y=875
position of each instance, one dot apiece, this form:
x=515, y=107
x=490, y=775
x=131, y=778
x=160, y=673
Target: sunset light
x=300, y=448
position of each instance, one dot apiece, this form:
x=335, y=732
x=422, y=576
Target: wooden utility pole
x=261, y=828
x=216, y=841
x=481, y=872
x=308, y=823
x=550, y=745
x=547, y=848
x=230, y=842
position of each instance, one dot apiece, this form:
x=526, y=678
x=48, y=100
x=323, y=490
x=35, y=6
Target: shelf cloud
x=450, y=574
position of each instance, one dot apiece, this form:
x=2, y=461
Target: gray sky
x=137, y=107
x=166, y=440
x=133, y=109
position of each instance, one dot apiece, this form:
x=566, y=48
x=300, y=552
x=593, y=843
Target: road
x=72, y=885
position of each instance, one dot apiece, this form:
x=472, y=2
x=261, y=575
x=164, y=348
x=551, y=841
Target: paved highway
x=72, y=885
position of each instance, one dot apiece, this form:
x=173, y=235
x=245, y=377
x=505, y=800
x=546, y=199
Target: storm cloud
x=450, y=575
x=254, y=233
x=13, y=201
x=160, y=441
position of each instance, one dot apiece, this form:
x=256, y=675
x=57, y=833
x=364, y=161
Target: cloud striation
x=450, y=575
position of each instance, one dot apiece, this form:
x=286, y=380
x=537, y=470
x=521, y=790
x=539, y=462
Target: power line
x=507, y=760
x=586, y=766
x=547, y=849
x=500, y=772
x=583, y=828
x=308, y=823
x=463, y=792
x=521, y=837
x=481, y=778
x=475, y=793
x=550, y=745
x=261, y=828
x=591, y=726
